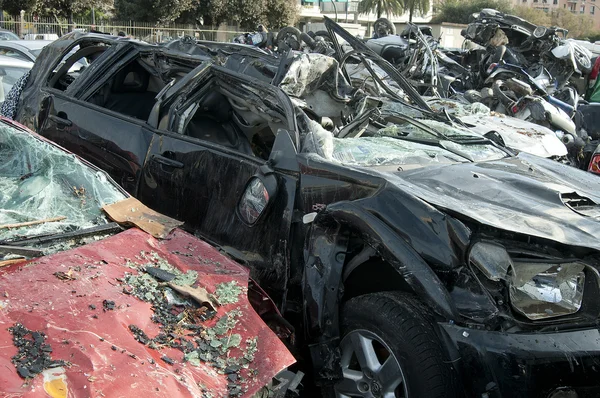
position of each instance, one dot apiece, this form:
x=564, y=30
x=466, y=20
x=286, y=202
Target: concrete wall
x=354, y=29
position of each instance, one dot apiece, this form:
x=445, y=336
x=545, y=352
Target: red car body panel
x=32, y=295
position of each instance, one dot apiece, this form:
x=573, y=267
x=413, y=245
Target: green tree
x=14, y=7
x=280, y=13
x=205, y=12
x=155, y=11
x=67, y=8
x=274, y=14
x=460, y=11
x=390, y=7
x=248, y=14
x=533, y=15
x=420, y=6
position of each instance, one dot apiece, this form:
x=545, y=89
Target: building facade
x=345, y=12
x=582, y=7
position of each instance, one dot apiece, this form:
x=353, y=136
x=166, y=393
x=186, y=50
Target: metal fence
x=29, y=26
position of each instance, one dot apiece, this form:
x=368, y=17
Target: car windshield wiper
x=418, y=124
x=470, y=140
x=463, y=139
x=40, y=240
x=438, y=141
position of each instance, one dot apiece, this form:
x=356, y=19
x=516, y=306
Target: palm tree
x=413, y=6
x=390, y=7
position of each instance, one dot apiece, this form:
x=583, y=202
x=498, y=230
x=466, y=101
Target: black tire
x=308, y=40
x=289, y=37
x=325, y=35
x=473, y=96
x=387, y=25
x=584, y=63
x=500, y=93
x=401, y=326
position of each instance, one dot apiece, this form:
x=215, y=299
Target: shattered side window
x=132, y=90
x=39, y=181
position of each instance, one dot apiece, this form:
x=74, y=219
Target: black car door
x=224, y=192
x=114, y=141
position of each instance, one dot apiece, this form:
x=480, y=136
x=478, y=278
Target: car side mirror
x=283, y=153
x=257, y=198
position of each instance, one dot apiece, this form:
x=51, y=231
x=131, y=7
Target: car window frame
x=24, y=55
x=113, y=68
x=74, y=90
x=176, y=114
x=178, y=109
x=75, y=94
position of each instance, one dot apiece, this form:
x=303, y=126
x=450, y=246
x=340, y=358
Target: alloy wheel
x=370, y=369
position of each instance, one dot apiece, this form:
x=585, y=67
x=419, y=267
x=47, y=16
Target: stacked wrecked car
x=415, y=254
x=514, y=68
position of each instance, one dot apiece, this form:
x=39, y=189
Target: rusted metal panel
x=106, y=360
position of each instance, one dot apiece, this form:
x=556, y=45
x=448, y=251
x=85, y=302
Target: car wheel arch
x=327, y=283
x=373, y=276
x=393, y=250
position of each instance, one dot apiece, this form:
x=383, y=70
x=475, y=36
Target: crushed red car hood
x=105, y=358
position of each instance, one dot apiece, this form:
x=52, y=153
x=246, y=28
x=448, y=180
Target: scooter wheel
x=386, y=24
x=289, y=37
x=500, y=93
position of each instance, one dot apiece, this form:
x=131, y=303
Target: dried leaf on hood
x=198, y=294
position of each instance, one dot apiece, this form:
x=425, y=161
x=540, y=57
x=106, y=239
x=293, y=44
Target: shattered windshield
x=402, y=144
x=372, y=151
x=45, y=190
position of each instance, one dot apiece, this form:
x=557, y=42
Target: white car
x=27, y=50
x=11, y=70
x=41, y=36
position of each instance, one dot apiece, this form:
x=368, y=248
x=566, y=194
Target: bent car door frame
x=114, y=142
x=204, y=181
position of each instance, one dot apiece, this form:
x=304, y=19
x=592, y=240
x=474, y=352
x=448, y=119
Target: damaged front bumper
x=544, y=365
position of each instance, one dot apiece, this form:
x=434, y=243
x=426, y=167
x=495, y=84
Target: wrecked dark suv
x=424, y=259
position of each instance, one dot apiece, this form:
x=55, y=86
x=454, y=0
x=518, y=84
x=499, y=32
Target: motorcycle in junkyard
x=517, y=93
x=261, y=38
x=531, y=47
x=531, y=80
x=417, y=55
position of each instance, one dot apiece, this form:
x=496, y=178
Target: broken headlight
x=542, y=290
x=538, y=290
